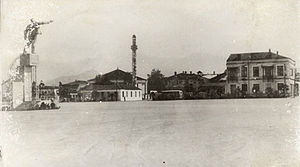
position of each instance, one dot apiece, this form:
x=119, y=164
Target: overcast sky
x=172, y=35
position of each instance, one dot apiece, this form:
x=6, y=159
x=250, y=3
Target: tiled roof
x=71, y=88
x=255, y=56
x=219, y=78
x=117, y=75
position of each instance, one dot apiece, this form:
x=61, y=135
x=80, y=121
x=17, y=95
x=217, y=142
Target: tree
x=63, y=92
x=155, y=80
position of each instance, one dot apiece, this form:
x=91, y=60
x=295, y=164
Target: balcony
x=268, y=78
x=268, y=72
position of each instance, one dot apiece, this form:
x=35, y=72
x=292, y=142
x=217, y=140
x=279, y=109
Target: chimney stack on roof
x=277, y=53
x=191, y=72
x=270, y=50
x=175, y=73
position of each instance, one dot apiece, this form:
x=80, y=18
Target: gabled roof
x=219, y=78
x=255, y=56
x=118, y=75
x=109, y=87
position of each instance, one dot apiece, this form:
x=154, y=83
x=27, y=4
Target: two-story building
x=260, y=73
x=190, y=83
x=49, y=93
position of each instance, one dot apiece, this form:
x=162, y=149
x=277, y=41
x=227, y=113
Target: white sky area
x=172, y=35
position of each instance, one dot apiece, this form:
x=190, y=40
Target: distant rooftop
x=49, y=87
x=255, y=56
x=118, y=74
x=185, y=75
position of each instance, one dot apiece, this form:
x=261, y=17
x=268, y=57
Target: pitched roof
x=117, y=75
x=219, y=78
x=120, y=73
x=109, y=87
x=255, y=56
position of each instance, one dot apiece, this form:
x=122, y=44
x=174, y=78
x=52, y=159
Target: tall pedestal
x=28, y=64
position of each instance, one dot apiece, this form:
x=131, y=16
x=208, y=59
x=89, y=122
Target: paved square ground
x=231, y=132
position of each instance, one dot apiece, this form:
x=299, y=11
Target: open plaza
x=202, y=133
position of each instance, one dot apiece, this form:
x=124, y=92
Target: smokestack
x=134, y=48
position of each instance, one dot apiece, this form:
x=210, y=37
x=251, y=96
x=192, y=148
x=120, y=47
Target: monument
x=29, y=59
x=22, y=83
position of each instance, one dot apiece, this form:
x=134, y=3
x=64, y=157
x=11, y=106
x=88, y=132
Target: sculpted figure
x=31, y=32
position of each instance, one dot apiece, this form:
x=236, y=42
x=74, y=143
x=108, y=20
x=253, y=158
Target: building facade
x=49, y=93
x=119, y=92
x=69, y=92
x=188, y=82
x=215, y=87
x=120, y=77
x=260, y=74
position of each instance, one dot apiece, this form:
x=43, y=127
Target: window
x=126, y=93
x=130, y=93
x=244, y=88
x=232, y=73
x=292, y=72
x=139, y=94
x=135, y=93
x=244, y=71
x=279, y=70
x=255, y=71
x=255, y=88
x=123, y=94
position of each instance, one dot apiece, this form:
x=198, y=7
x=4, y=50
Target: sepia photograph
x=149, y=83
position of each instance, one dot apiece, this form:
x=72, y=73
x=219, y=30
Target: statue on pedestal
x=30, y=34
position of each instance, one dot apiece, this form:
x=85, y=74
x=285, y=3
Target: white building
x=94, y=92
x=120, y=77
